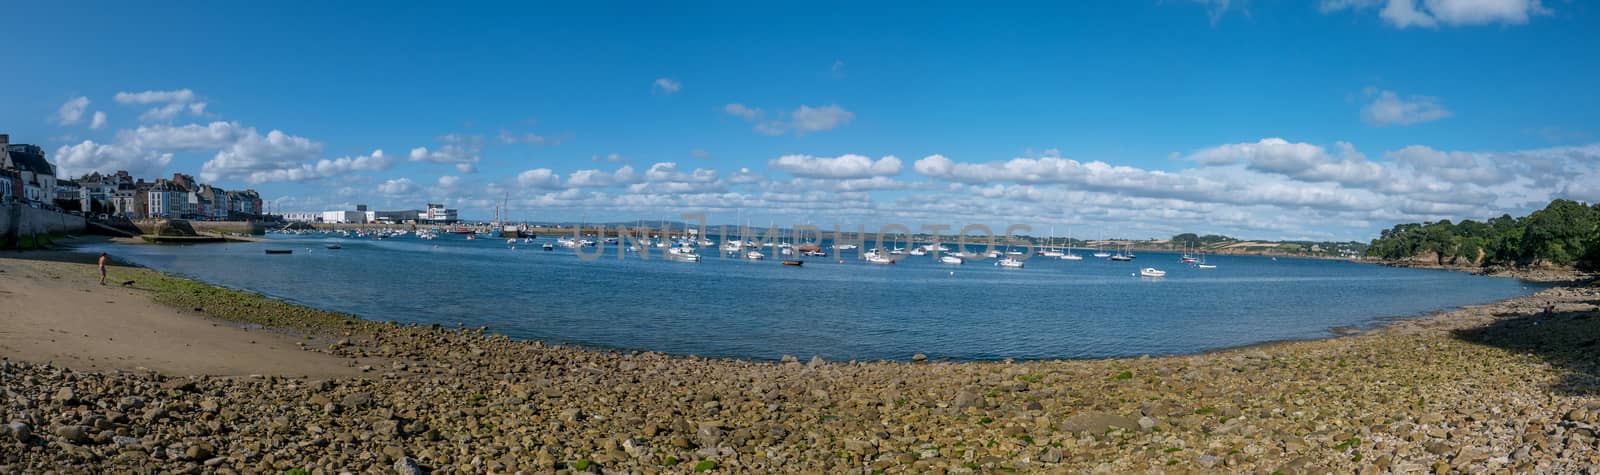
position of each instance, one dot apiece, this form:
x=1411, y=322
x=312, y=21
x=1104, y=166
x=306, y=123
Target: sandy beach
x=168, y=375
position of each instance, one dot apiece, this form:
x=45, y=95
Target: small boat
x=918, y=252
x=948, y=259
x=549, y=247
x=1102, y=254
x=682, y=254
x=280, y=251
x=1071, y=257
x=845, y=247
x=1010, y=262
x=1205, y=266
x=1152, y=272
x=793, y=262
x=755, y=255
x=876, y=257
x=814, y=253
x=334, y=246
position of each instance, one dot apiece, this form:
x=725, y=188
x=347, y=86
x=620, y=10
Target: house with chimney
x=31, y=177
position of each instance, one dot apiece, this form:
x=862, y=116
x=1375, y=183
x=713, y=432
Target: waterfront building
x=438, y=214
x=34, y=178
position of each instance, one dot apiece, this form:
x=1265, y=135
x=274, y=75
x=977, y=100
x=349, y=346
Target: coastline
x=1277, y=406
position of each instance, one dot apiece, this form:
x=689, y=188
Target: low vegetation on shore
x=1565, y=233
x=1494, y=387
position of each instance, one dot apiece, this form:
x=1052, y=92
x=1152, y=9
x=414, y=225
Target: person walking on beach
x=103, y=260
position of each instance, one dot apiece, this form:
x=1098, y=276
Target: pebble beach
x=1484, y=389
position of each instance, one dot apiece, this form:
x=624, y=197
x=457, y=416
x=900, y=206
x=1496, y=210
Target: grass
x=236, y=305
x=705, y=465
x=1124, y=375
x=671, y=461
x=582, y=464
x=1348, y=443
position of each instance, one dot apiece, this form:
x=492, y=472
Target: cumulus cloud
x=88, y=156
x=171, y=103
x=1432, y=13
x=667, y=85
x=843, y=166
x=324, y=168
x=746, y=176
x=463, y=151
x=539, y=178
x=1301, y=161
x=804, y=119
x=71, y=112
x=398, y=187
x=1388, y=108
x=601, y=179
x=256, y=158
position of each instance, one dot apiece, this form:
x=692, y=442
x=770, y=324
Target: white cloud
x=1431, y=13
x=539, y=178
x=1388, y=108
x=742, y=111
x=507, y=137
x=667, y=85
x=98, y=121
x=325, y=168
x=88, y=156
x=844, y=166
x=398, y=187
x=601, y=179
x=172, y=103
x=463, y=151
x=802, y=120
x=611, y=157
x=700, y=153
x=745, y=177
x=191, y=137
x=1301, y=161
x=449, y=181
x=72, y=111
x=153, y=97
x=256, y=158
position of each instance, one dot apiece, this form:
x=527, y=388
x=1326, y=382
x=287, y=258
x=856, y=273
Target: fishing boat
x=1010, y=262
x=875, y=256
x=280, y=251
x=793, y=262
x=948, y=259
x=1152, y=272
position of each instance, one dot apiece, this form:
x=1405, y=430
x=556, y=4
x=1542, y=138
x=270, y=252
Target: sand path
x=52, y=309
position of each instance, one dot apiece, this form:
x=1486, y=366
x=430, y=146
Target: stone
x=709, y=435
x=74, y=433
x=65, y=396
x=407, y=466
x=1207, y=461
x=1051, y=455
x=816, y=361
x=1096, y=423
x=918, y=358
x=19, y=432
x=1146, y=423
x=966, y=399
x=789, y=359
x=357, y=400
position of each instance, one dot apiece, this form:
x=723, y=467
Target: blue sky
x=1322, y=120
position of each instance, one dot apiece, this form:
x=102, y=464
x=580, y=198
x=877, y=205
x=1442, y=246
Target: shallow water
x=852, y=310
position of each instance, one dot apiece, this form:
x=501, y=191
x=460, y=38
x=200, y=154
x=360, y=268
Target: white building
x=344, y=216
x=303, y=217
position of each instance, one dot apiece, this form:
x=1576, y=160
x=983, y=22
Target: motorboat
x=793, y=262
x=549, y=247
x=1071, y=257
x=682, y=254
x=1011, y=262
x=1152, y=272
x=814, y=253
x=334, y=246
x=917, y=252
x=1205, y=266
x=845, y=247
x=755, y=255
x=875, y=256
x=948, y=259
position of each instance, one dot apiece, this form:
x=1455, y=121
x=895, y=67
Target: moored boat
x=793, y=262
x=1010, y=262
x=1152, y=272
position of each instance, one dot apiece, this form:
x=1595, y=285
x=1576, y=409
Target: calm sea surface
x=851, y=310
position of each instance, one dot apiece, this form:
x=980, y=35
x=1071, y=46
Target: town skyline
x=1390, y=115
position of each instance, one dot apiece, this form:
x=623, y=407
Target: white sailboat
x=1099, y=250
x=1069, y=256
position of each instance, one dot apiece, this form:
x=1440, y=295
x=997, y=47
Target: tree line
x=1564, y=233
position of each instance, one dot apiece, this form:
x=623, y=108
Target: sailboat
x=1098, y=251
x=1069, y=256
x=1121, y=256
x=1202, y=263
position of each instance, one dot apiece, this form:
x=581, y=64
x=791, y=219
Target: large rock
x=1098, y=423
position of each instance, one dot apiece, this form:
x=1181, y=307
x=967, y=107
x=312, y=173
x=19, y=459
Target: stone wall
x=22, y=222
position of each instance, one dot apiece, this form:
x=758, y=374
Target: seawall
x=21, y=224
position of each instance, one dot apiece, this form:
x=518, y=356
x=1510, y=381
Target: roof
x=29, y=161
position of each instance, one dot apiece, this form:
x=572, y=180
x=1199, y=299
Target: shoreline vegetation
x=1490, y=387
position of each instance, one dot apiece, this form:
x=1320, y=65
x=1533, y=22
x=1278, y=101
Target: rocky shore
x=1491, y=388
